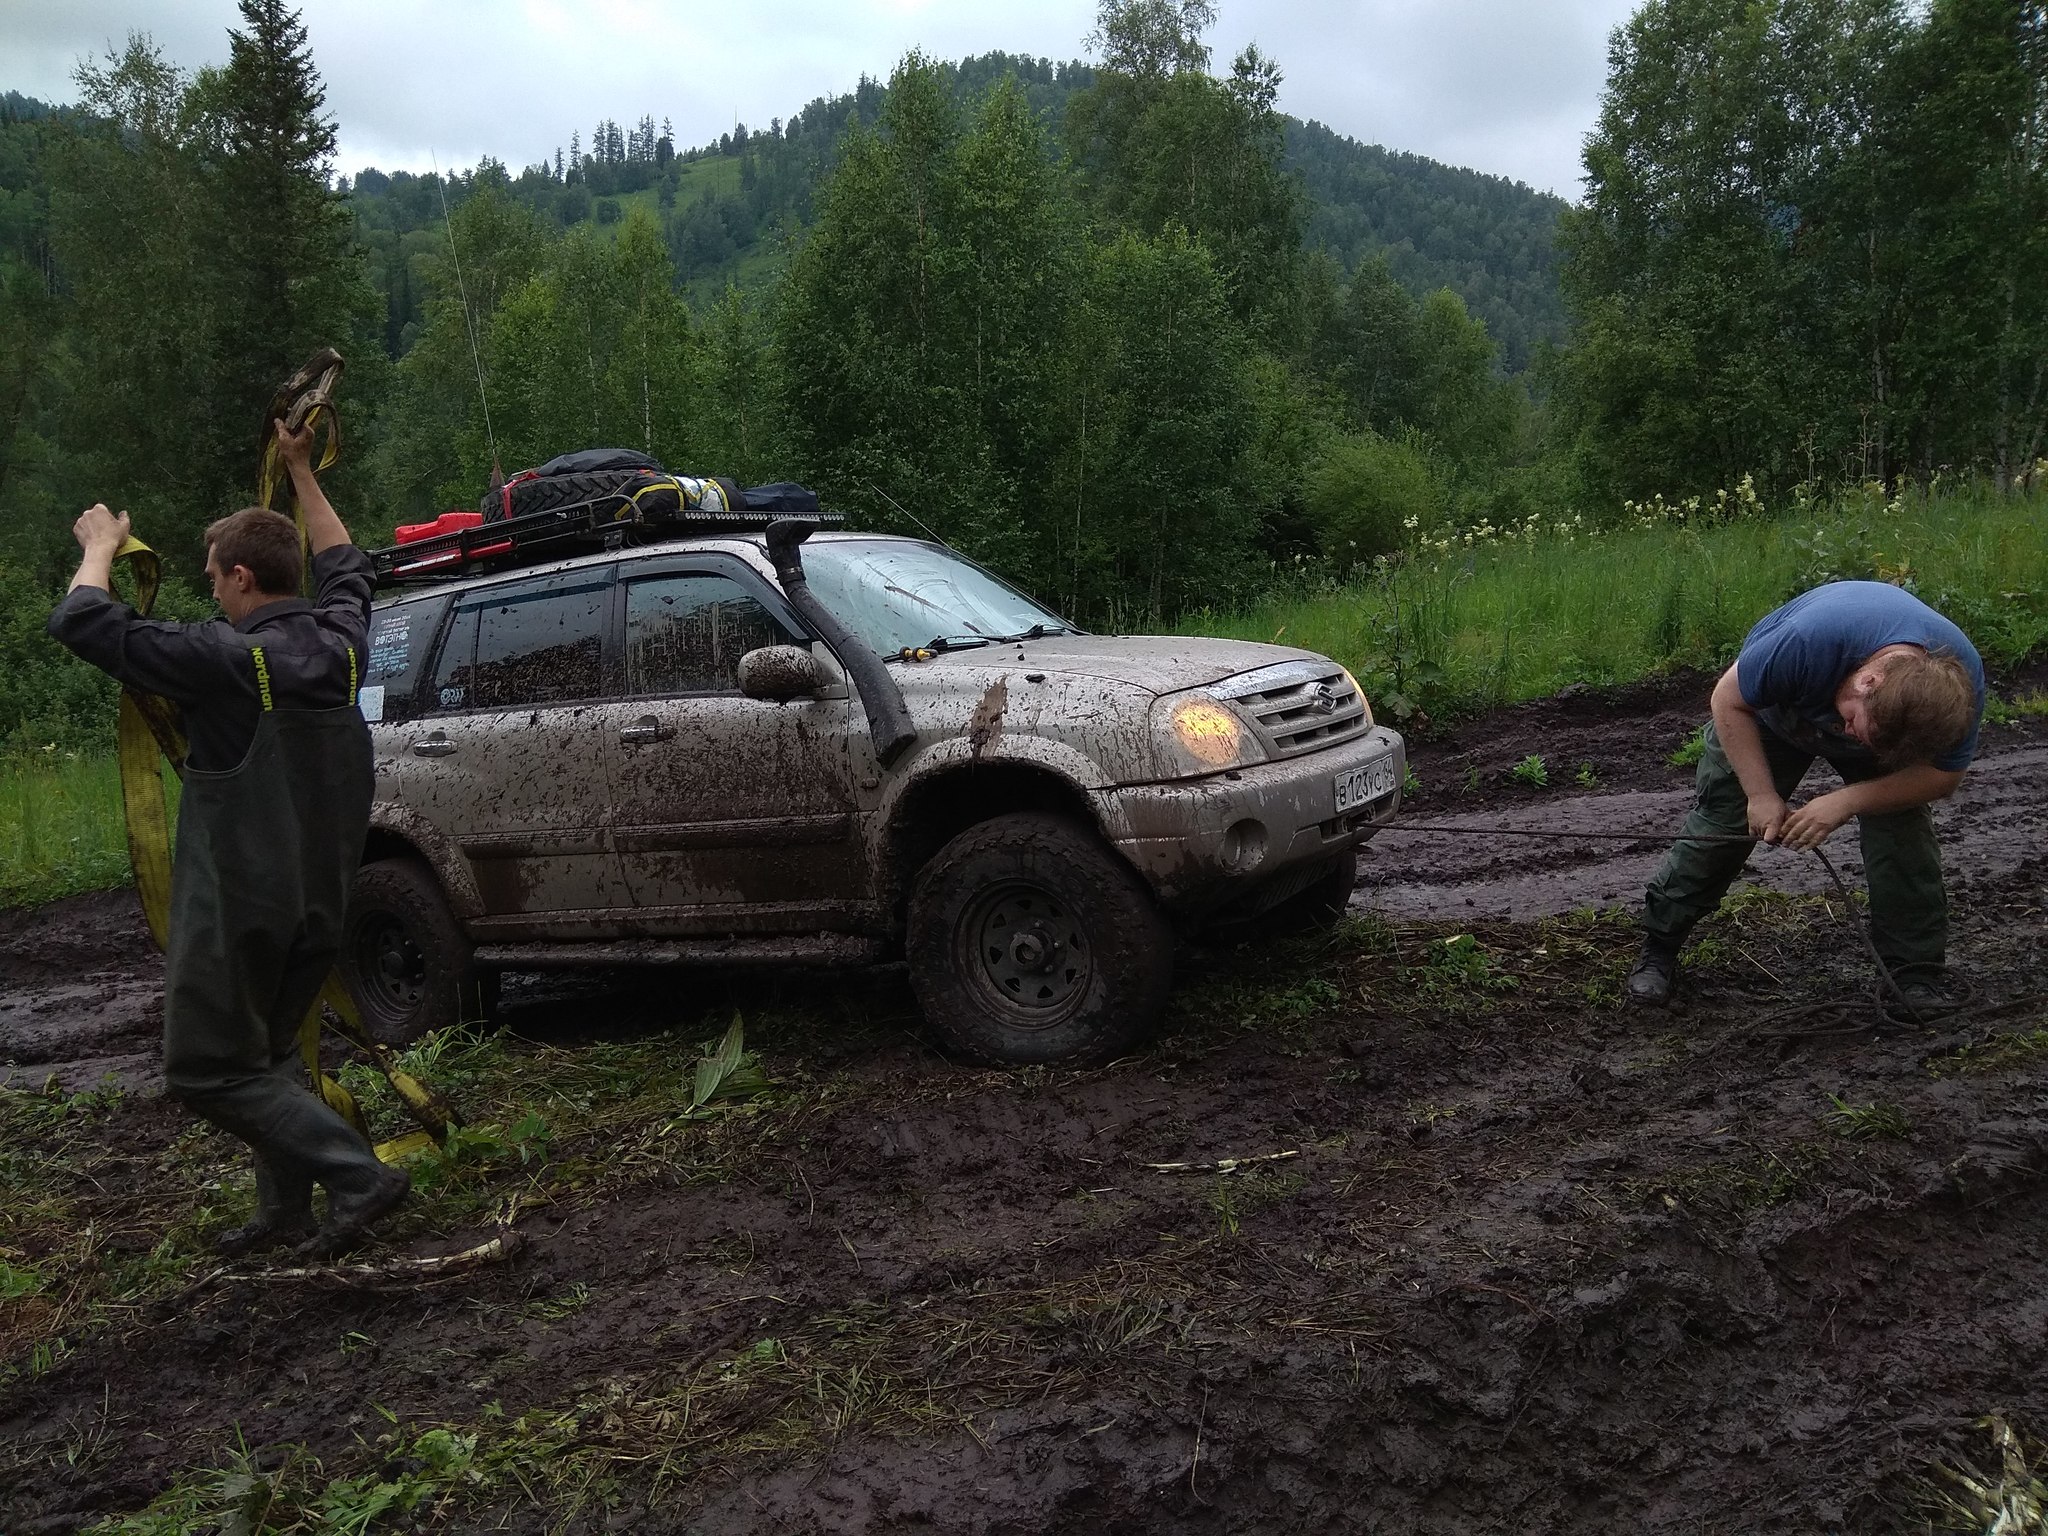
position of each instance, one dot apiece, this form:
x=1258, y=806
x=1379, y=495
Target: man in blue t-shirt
x=1891, y=694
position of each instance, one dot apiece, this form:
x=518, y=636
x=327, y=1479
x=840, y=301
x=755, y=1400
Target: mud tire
x=406, y=961
x=1051, y=884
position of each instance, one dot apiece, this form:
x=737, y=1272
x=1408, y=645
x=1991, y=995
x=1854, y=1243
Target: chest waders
x=265, y=855
x=250, y=914
x=149, y=732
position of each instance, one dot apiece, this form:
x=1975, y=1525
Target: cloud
x=1506, y=86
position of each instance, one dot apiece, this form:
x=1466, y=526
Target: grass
x=1864, y=1122
x=61, y=826
x=1508, y=618
x=1691, y=750
x=2027, y=706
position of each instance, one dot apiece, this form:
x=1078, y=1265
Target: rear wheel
x=406, y=960
x=1029, y=941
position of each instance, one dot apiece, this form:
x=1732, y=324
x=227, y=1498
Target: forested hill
x=1490, y=240
x=728, y=210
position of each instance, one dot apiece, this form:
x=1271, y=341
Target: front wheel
x=405, y=959
x=1029, y=941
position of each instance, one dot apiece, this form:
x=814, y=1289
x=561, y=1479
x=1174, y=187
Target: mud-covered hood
x=1155, y=663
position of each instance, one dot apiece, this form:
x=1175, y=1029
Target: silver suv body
x=651, y=755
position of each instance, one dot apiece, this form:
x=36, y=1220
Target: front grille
x=1298, y=706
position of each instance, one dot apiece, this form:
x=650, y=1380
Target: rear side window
x=686, y=633
x=538, y=642
x=395, y=657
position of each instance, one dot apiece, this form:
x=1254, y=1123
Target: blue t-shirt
x=1797, y=657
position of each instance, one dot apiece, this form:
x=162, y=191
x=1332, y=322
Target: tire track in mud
x=1993, y=824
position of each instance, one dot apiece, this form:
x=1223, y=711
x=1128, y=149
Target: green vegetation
x=1691, y=750
x=1812, y=247
x=1508, y=614
x=1530, y=772
x=2028, y=706
x=544, y=1126
x=1999, y=1053
x=61, y=826
x=1861, y=1122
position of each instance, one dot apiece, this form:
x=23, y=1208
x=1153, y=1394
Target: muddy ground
x=1518, y=1257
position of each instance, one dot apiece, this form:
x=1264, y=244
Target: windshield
x=898, y=595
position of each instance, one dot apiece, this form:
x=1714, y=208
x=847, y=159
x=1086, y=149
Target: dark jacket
x=313, y=653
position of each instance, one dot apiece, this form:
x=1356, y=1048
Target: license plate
x=1364, y=784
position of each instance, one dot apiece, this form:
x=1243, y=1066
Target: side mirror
x=780, y=673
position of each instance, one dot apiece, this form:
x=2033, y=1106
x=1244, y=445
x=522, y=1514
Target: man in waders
x=1891, y=694
x=270, y=828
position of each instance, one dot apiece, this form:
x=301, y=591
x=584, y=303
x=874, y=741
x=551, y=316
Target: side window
x=395, y=656
x=686, y=633
x=532, y=643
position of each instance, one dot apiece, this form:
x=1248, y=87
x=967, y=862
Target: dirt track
x=1538, y=1263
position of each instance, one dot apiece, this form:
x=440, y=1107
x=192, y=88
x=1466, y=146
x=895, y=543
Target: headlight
x=1200, y=734
x=1363, y=702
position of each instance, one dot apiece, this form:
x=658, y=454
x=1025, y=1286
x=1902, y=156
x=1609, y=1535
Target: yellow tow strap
x=150, y=731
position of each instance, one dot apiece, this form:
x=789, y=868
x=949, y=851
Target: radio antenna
x=907, y=513
x=468, y=321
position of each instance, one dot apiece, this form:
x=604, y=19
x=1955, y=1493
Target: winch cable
x=149, y=731
x=1888, y=999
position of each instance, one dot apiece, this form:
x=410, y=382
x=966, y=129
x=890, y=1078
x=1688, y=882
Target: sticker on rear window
x=391, y=643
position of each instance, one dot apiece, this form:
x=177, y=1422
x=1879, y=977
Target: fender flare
x=420, y=835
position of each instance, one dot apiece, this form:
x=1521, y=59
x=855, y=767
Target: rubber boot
x=353, y=1210
x=284, y=1213
x=1655, y=977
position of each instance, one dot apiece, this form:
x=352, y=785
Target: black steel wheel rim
x=1023, y=948
x=390, y=966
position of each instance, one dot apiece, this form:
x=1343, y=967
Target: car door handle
x=436, y=745
x=645, y=729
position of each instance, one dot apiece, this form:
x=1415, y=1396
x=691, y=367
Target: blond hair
x=1921, y=706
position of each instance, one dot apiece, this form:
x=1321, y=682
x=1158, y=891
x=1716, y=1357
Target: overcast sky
x=1506, y=86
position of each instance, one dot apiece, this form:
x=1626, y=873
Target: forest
x=1121, y=329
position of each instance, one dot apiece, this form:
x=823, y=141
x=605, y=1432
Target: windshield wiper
x=1035, y=632
x=938, y=645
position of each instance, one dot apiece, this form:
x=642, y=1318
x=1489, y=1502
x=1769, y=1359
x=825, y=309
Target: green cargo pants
x=1901, y=859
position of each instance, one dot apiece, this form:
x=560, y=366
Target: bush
x=48, y=697
x=1366, y=493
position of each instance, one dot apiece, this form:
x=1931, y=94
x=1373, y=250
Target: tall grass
x=1509, y=618
x=62, y=829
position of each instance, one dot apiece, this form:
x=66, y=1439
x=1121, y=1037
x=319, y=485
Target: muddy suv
x=749, y=749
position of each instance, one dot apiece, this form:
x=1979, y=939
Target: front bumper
x=1213, y=842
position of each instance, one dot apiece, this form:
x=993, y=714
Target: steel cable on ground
x=1885, y=993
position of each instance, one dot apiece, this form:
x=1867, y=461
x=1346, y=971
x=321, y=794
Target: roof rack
x=606, y=522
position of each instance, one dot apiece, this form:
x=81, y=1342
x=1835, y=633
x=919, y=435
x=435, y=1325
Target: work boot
x=1655, y=977
x=284, y=1214
x=1928, y=993
x=351, y=1214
